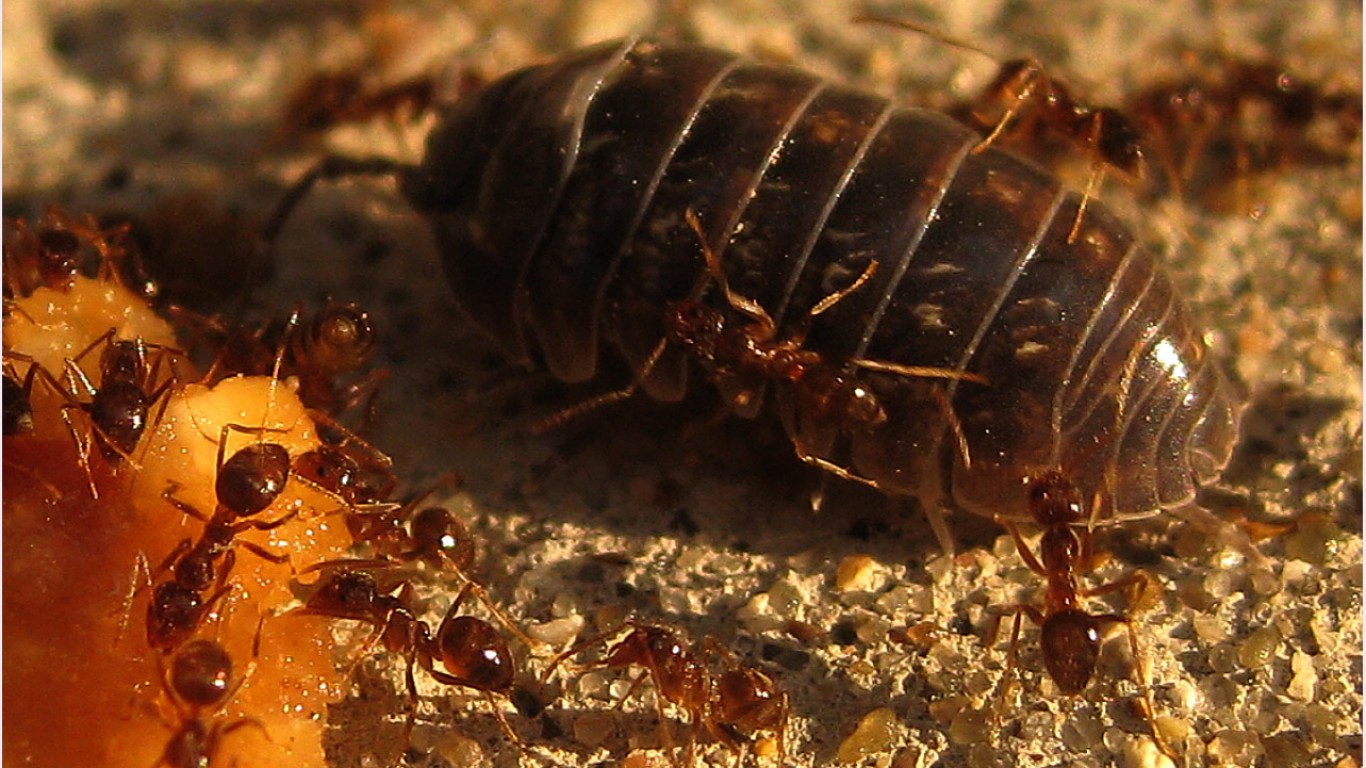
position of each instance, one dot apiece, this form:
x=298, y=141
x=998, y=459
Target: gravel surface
x=659, y=511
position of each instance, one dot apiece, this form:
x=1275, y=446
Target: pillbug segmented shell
x=558, y=196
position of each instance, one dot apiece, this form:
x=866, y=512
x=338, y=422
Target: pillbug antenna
x=330, y=168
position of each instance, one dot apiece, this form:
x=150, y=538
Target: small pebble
x=875, y=733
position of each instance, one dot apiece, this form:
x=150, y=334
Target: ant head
x=252, y=478
x=1054, y=499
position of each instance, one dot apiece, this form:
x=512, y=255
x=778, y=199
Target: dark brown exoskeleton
x=558, y=196
x=200, y=680
x=247, y=484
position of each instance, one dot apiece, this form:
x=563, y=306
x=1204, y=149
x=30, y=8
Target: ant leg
x=328, y=169
x=480, y=594
x=1012, y=653
x=576, y=648
x=183, y=506
x=1023, y=79
x=73, y=363
x=263, y=553
x=835, y=469
x=1025, y=553
x=139, y=579
x=1143, y=680
x=744, y=305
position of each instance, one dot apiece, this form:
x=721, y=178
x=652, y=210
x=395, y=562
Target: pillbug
x=558, y=195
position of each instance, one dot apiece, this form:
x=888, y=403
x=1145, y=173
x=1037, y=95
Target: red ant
x=52, y=254
x=740, y=700
x=247, y=483
x=1024, y=102
x=120, y=409
x=346, y=465
x=433, y=536
x=120, y=406
x=742, y=357
x=825, y=398
x=745, y=700
x=328, y=99
x=471, y=652
x=1255, y=110
x=1070, y=637
x=337, y=342
x=199, y=680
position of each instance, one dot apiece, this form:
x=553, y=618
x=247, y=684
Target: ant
x=433, y=536
x=742, y=358
x=337, y=342
x=745, y=701
x=199, y=680
x=52, y=254
x=120, y=406
x=346, y=465
x=739, y=701
x=1023, y=102
x=471, y=652
x=1255, y=110
x=247, y=483
x=329, y=99
x=825, y=397
x=1070, y=636
x=120, y=409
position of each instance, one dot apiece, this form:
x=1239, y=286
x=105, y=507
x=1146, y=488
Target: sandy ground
x=116, y=106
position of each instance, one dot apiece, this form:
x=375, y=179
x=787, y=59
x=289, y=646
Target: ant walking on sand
x=1070, y=636
x=737, y=702
x=472, y=654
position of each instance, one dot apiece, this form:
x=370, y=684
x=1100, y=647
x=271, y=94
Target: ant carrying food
x=1070, y=636
x=472, y=654
x=736, y=702
x=200, y=680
